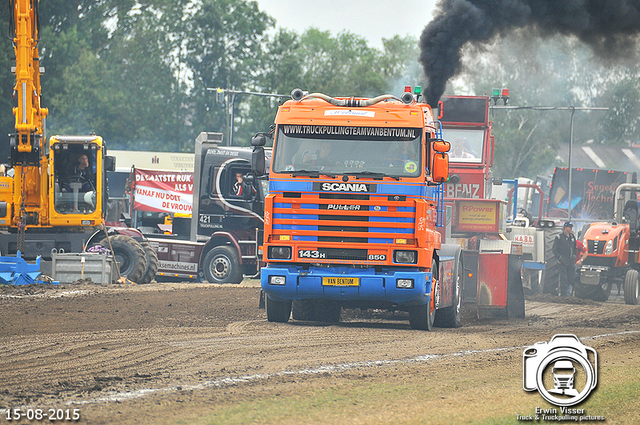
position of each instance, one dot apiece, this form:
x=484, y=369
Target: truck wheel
x=423, y=316
x=327, y=311
x=303, y=310
x=278, y=311
x=451, y=317
x=152, y=262
x=221, y=265
x=631, y=292
x=129, y=255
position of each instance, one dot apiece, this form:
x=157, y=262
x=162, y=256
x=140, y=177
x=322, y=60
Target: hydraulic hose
x=351, y=102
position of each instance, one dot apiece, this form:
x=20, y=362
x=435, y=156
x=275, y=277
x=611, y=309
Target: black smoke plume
x=608, y=26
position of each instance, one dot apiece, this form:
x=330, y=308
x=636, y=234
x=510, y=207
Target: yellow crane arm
x=28, y=143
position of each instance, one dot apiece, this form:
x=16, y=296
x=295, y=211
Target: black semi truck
x=221, y=241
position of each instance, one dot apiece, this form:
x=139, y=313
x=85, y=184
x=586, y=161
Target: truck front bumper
x=327, y=283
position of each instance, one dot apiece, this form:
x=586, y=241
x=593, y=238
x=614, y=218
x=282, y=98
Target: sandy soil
x=199, y=353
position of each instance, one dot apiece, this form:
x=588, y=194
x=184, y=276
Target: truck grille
x=344, y=254
x=354, y=218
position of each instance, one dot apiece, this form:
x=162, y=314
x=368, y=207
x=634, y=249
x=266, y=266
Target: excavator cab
x=77, y=180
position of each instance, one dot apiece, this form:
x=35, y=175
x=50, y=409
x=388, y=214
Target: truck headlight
x=406, y=257
x=404, y=283
x=608, y=249
x=277, y=280
x=279, y=252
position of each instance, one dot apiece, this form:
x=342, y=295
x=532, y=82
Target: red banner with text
x=163, y=191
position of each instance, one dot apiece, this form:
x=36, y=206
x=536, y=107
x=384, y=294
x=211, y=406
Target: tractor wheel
x=152, y=262
x=584, y=291
x=129, y=255
x=631, y=293
x=593, y=292
x=278, y=311
x=221, y=265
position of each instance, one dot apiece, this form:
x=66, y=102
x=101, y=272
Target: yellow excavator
x=53, y=194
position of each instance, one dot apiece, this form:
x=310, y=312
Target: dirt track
x=199, y=353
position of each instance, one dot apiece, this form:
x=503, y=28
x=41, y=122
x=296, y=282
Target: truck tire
x=129, y=255
x=327, y=311
x=423, y=316
x=631, y=293
x=278, y=311
x=303, y=310
x=152, y=262
x=451, y=317
x=221, y=265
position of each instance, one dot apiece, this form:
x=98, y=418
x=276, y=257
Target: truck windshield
x=466, y=145
x=332, y=150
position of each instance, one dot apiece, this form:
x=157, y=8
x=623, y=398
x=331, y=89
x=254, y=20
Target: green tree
x=224, y=46
x=621, y=125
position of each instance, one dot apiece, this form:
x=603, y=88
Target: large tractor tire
x=631, y=293
x=551, y=275
x=278, y=311
x=129, y=255
x=593, y=292
x=152, y=262
x=222, y=265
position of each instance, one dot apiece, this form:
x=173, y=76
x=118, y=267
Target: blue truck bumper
x=295, y=283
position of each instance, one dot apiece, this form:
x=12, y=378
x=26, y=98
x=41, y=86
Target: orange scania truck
x=355, y=198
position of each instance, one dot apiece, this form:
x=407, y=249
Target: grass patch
x=426, y=394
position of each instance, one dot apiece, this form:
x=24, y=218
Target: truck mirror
x=441, y=146
x=258, y=140
x=247, y=187
x=440, y=167
x=110, y=163
x=258, y=162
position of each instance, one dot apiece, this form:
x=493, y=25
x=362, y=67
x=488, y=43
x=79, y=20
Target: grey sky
x=372, y=19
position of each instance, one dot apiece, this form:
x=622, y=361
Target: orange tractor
x=613, y=250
